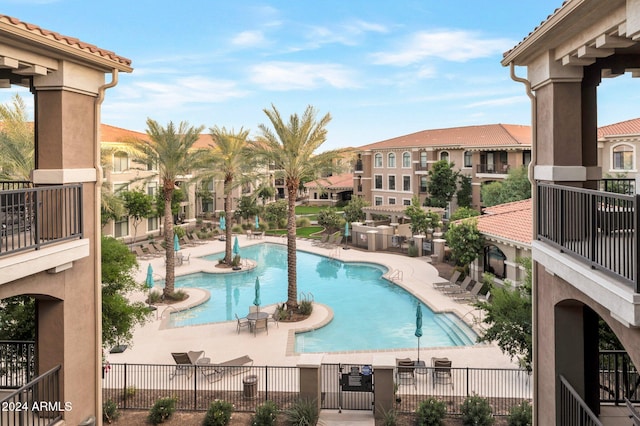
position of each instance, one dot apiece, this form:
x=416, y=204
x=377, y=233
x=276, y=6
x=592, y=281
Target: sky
x=381, y=68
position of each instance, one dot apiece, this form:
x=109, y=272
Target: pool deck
x=154, y=341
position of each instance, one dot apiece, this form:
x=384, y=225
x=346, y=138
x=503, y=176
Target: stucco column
x=309, y=367
x=371, y=240
x=418, y=239
x=383, y=368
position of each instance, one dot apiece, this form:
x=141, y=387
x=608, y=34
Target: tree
x=443, y=183
x=515, y=187
x=463, y=213
x=247, y=207
x=464, y=193
x=465, y=241
x=119, y=315
x=417, y=215
x=139, y=206
x=172, y=149
x=229, y=156
x=265, y=192
x=353, y=210
x=329, y=219
x=276, y=212
x=16, y=141
x=292, y=147
x=18, y=318
x=508, y=316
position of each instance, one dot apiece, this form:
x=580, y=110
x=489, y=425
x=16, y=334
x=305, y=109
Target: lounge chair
x=185, y=362
x=471, y=295
x=185, y=241
x=154, y=251
x=195, y=239
x=405, y=372
x=138, y=251
x=458, y=288
x=261, y=324
x=215, y=372
x=453, y=280
x=441, y=371
x=321, y=241
x=634, y=415
x=242, y=323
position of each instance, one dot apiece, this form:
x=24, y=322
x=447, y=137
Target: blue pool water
x=369, y=311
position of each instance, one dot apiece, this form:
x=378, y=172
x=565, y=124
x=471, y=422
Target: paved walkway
x=346, y=418
x=154, y=341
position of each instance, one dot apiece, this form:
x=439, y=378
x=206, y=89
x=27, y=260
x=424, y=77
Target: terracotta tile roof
x=629, y=127
x=204, y=141
x=66, y=40
x=510, y=221
x=472, y=136
x=343, y=181
x=116, y=134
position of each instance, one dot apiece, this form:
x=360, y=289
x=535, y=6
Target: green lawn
x=300, y=210
x=300, y=232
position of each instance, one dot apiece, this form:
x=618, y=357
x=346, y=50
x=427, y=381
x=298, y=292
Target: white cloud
x=249, y=39
x=499, y=102
x=282, y=76
x=349, y=33
x=457, y=46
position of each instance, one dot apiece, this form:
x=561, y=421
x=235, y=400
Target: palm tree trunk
x=227, y=217
x=170, y=275
x=292, y=288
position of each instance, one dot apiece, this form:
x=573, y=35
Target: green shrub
x=305, y=307
x=430, y=412
x=476, y=411
x=520, y=415
x=218, y=414
x=130, y=392
x=389, y=418
x=302, y=222
x=110, y=411
x=178, y=295
x=237, y=229
x=303, y=412
x=155, y=296
x=179, y=231
x=266, y=414
x=162, y=410
x=412, y=251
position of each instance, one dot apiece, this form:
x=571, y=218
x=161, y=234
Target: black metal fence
x=36, y=403
x=598, y=227
x=139, y=386
x=619, y=378
x=17, y=363
x=503, y=388
x=619, y=186
x=338, y=393
x=34, y=217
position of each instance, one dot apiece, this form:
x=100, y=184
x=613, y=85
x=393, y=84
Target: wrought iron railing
x=34, y=217
x=618, y=186
x=497, y=168
x=598, y=227
x=619, y=378
x=37, y=403
x=421, y=167
x=573, y=411
x=17, y=363
x=358, y=166
x=7, y=185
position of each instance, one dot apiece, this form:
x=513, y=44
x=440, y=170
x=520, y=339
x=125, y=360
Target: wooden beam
x=6, y=62
x=592, y=52
x=574, y=60
x=612, y=42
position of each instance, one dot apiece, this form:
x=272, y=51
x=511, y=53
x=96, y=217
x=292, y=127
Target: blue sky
x=381, y=68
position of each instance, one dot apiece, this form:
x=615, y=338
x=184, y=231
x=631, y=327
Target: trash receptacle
x=250, y=384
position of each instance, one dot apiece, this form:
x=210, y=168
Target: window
x=392, y=183
x=121, y=227
x=406, y=183
x=406, y=160
x=406, y=202
x=119, y=187
x=378, y=182
x=392, y=201
x=467, y=159
x=391, y=160
x=444, y=155
x=152, y=224
x=120, y=162
x=423, y=184
x=494, y=262
x=152, y=188
x=423, y=158
x=377, y=160
x=378, y=201
x=526, y=157
x=623, y=157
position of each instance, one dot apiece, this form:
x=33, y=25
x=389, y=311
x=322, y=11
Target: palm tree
x=292, y=148
x=172, y=149
x=230, y=157
x=16, y=141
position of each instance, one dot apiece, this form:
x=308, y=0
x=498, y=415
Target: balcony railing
x=36, y=403
x=359, y=167
x=497, y=168
x=597, y=227
x=573, y=410
x=31, y=218
x=17, y=363
x=618, y=186
x=421, y=167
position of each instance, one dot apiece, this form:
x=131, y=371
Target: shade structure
x=256, y=300
x=176, y=243
x=418, y=332
x=223, y=223
x=149, y=281
x=257, y=222
x=236, y=246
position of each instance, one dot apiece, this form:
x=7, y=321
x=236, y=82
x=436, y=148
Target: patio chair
x=153, y=250
x=471, y=295
x=185, y=362
x=405, y=371
x=458, y=288
x=242, y=323
x=273, y=318
x=634, y=415
x=215, y=372
x=138, y=251
x=441, y=372
x=260, y=324
x=185, y=241
x=453, y=280
x=321, y=241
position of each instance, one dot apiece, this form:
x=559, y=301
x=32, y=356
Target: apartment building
x=584, y=240
x=50, y=245
x=392, y=171
x=619, y=148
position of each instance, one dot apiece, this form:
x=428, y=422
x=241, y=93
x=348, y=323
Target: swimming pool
x=369, y=312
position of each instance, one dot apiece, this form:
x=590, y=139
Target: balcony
x=589, y=238
x=492, y=169
x=418, y=167
x=358, y=167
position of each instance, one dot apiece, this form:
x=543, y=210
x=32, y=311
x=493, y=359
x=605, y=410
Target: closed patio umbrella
x=418, y=332
x=223, y=223
x=176, y=243
x=256, y=300
x=346, y=235
x=257, y=222
x=149, y=281
x=236, y=246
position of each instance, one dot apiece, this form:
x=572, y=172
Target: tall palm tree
x=172, y=149
x=292, y=148
x=16, y=141
x=229, y=155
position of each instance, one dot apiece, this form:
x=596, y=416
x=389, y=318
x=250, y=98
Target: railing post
x=467, y=378
x=636, y=247
x=124, y=387
x=195, y=388
x=266, y=383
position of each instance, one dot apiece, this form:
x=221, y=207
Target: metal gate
x=346, y=386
